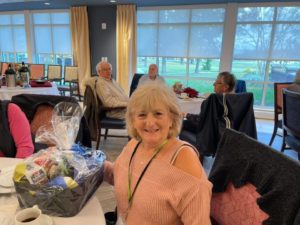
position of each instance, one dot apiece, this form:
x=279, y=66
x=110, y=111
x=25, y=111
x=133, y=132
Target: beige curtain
x=81, y=44
x=126, y=44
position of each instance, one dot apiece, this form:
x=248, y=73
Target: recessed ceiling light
x=113, y=1
x=47, y=3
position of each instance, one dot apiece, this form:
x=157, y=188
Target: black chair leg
x=283, y=146
x=274, y=134
x=106, y=132
x=98, y=139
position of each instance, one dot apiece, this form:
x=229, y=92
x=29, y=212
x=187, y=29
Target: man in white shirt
x=152, y=76
x=110, y=92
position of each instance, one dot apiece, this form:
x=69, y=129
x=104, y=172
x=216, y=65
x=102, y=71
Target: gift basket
x=60, y=179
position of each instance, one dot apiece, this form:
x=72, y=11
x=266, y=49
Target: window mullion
x=188, y=48
x=266, y=77
x=229, y=27
x=28, y=29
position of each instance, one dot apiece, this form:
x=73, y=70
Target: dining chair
x=37, y=71
x=240, y=86
x=54, y=73
x=4, y=66
x=291, y=120
x=252, y=182
x=278, y=108
x=135, y=82
x=220, y=111
x=71, y=83
x=96, y=118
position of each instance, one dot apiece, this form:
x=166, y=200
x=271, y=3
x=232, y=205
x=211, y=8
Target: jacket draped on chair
x=29, y=103
x=241, y=159
x=217, y=113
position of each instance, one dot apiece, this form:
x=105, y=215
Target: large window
x=13, y=38
x=259, y=43
x=53, y=29
x=36, y=37
x=185, y=43
x=266, y=47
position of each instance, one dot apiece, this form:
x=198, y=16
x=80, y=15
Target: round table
x=191, y=105
x=7, y=93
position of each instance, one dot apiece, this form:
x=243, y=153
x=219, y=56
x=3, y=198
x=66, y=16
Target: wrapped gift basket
x=60, y=179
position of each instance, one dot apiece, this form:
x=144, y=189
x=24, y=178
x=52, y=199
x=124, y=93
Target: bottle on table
x=10, y=77
x=24, y=75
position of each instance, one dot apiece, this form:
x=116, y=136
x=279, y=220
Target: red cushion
x=237, y=206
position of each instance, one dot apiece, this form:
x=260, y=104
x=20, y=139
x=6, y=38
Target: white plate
x=6, y=177
x=7, y=190
x=48, y=219
x=184, y=98
x=40, y=81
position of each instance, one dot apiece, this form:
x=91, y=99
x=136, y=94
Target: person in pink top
x=158, y=178
x=15, y=132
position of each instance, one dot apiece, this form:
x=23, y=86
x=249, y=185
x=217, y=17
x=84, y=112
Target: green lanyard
x=131, y=194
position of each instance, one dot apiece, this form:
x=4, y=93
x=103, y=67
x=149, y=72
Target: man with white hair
x=110, y=92
x=152, y=76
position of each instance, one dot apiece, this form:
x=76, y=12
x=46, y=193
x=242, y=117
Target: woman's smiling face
x=152, y=126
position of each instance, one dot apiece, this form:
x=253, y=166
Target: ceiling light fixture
x=47, y=3
x=112, y=1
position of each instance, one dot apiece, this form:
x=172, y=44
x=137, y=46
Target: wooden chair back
x=37, y=71
x=54, y=73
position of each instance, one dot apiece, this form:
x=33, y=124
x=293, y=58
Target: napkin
x=6, y=181
x=34, y=83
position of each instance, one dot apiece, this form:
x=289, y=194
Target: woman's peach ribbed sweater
x=166, y=195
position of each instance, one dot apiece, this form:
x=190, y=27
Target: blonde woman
x=158, y=179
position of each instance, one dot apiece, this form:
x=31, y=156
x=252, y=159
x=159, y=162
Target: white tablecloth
x=7, y=93
x=191, y=105
x=91, y=214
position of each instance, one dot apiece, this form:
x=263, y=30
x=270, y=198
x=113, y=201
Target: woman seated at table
x=158, y=178
x=16, y=140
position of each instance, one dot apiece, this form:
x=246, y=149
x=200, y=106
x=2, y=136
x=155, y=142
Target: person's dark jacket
x=218, y=112
x=241, y=159
x=91, y=112
x=30, y=102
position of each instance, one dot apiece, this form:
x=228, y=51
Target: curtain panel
x=126, y=44
x=81, y=44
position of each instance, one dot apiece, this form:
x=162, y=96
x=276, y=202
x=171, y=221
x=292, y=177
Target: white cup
x=184, y=95
x=32, y=216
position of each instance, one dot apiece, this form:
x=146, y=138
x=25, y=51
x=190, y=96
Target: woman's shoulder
x=186, y=159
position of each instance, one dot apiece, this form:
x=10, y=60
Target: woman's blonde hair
x=146, y=98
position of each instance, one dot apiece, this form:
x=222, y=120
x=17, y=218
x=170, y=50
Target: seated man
x=151, y=77
x=110, y=92
x=224, y=83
